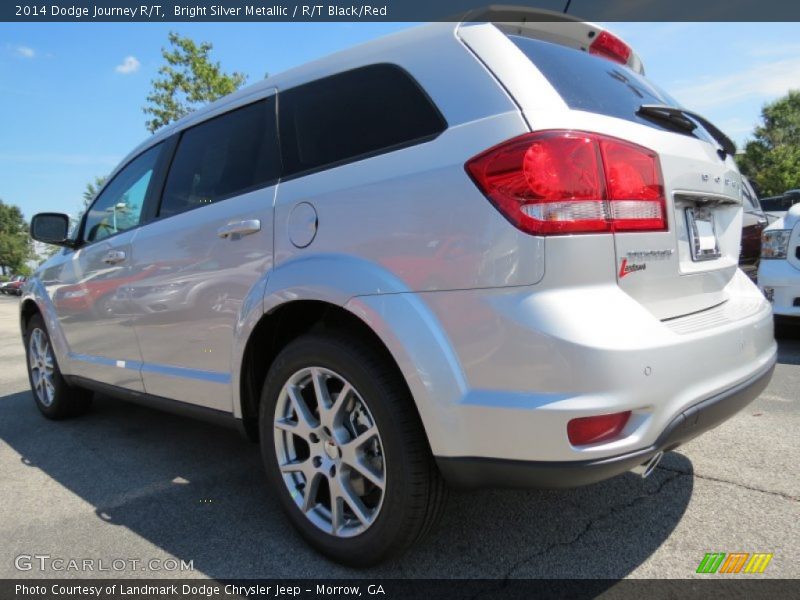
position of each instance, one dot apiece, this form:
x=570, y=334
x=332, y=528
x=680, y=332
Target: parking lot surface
x=130, y=483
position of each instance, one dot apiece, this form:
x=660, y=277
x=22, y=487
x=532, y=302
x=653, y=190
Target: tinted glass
x=225, y=156
x=775, y=203
x=352, y=115
x=119, y=205
x=594, y=84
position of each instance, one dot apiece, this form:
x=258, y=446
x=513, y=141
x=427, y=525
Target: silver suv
x=477, y=254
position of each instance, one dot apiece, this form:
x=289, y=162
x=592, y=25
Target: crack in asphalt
x=609, y=513
x=676, y=473
x=586, y=529
x=733, y=483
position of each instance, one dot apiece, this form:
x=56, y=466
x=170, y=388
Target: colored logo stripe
x=758, y=562
x=734, y=563
x=711, y=562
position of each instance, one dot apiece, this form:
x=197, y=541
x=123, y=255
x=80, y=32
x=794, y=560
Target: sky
x=71, y=94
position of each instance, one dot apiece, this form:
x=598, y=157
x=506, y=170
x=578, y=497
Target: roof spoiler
x=557, y=28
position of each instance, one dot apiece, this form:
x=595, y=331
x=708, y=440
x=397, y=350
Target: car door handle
x=113, y=257
x=239, y=228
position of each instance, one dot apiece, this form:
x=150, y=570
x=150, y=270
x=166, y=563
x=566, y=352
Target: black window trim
x=366, y=155
x=178, y=136
x=155, y=189
x=154, y=185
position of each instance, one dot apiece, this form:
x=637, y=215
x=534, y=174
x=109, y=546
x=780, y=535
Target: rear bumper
x=472, y=472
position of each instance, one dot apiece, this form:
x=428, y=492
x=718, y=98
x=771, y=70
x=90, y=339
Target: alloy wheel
x=42, y=365
x=329, y=452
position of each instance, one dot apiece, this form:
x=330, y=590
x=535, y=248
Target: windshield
x=750, y=198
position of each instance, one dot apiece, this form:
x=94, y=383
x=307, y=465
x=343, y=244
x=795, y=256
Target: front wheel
x=54, y=398
x=345, y=450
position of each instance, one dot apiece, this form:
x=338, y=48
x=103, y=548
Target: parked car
x=13, y=287
x=775, y=207
x=779, y=271
x=753, y=223
x=579, y=312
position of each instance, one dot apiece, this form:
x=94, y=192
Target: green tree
x=89, y=194
x=16, y=246
x=772, y=157
x=91, y=190
x=189, y=80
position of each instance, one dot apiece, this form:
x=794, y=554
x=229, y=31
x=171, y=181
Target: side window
x=228, y=155
x=352, y=115
x=119, y=206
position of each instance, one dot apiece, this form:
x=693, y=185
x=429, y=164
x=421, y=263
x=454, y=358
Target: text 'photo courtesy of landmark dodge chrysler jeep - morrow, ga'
x=513, y=265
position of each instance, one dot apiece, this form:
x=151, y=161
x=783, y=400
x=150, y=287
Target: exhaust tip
x=646, y=469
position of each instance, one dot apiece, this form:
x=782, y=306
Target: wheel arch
x=397, y=325
x=27, y=309
x=36, y=302
x=359, y=297
x=279, y=327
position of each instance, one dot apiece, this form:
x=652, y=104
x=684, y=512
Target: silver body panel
x=184, y=313
x=100, y=342
x=492, y=329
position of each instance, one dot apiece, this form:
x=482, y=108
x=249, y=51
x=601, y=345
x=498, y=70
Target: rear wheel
x=54, y=397
x=345, y=450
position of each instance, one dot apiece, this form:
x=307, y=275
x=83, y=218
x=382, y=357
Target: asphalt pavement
x=153, y=491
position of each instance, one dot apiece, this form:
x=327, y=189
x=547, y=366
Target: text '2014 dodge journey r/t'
x=475, y=254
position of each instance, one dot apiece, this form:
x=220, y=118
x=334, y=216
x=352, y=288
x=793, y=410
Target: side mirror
x=51, y=228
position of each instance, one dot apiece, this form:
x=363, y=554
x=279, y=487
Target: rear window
x=353, y=115
x=593, y=84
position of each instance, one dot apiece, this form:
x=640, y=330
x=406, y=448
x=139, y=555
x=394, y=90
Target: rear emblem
x=627, y=269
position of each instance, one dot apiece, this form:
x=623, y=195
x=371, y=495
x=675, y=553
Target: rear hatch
x=682, y=269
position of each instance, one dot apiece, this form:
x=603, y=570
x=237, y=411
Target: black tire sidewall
x=390, y=528
x=67, y=401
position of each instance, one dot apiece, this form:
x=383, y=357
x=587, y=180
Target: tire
x=377, y=422
x=54, y=398
x=787, y=328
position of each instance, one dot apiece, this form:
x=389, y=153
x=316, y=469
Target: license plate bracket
x=702, y=234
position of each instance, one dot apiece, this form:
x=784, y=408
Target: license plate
x=702, y=234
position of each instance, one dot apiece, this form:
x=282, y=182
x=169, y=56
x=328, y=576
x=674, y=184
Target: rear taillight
x=611, y=47
x=592, y=430
x=562, y=182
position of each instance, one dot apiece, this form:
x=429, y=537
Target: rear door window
x=225, y=156
x=353, y=115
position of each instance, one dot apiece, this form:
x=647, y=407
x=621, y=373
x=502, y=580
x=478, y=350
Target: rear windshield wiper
x=687, y=121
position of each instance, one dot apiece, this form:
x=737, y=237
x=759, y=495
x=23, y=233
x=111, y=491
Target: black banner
x=395, y=10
